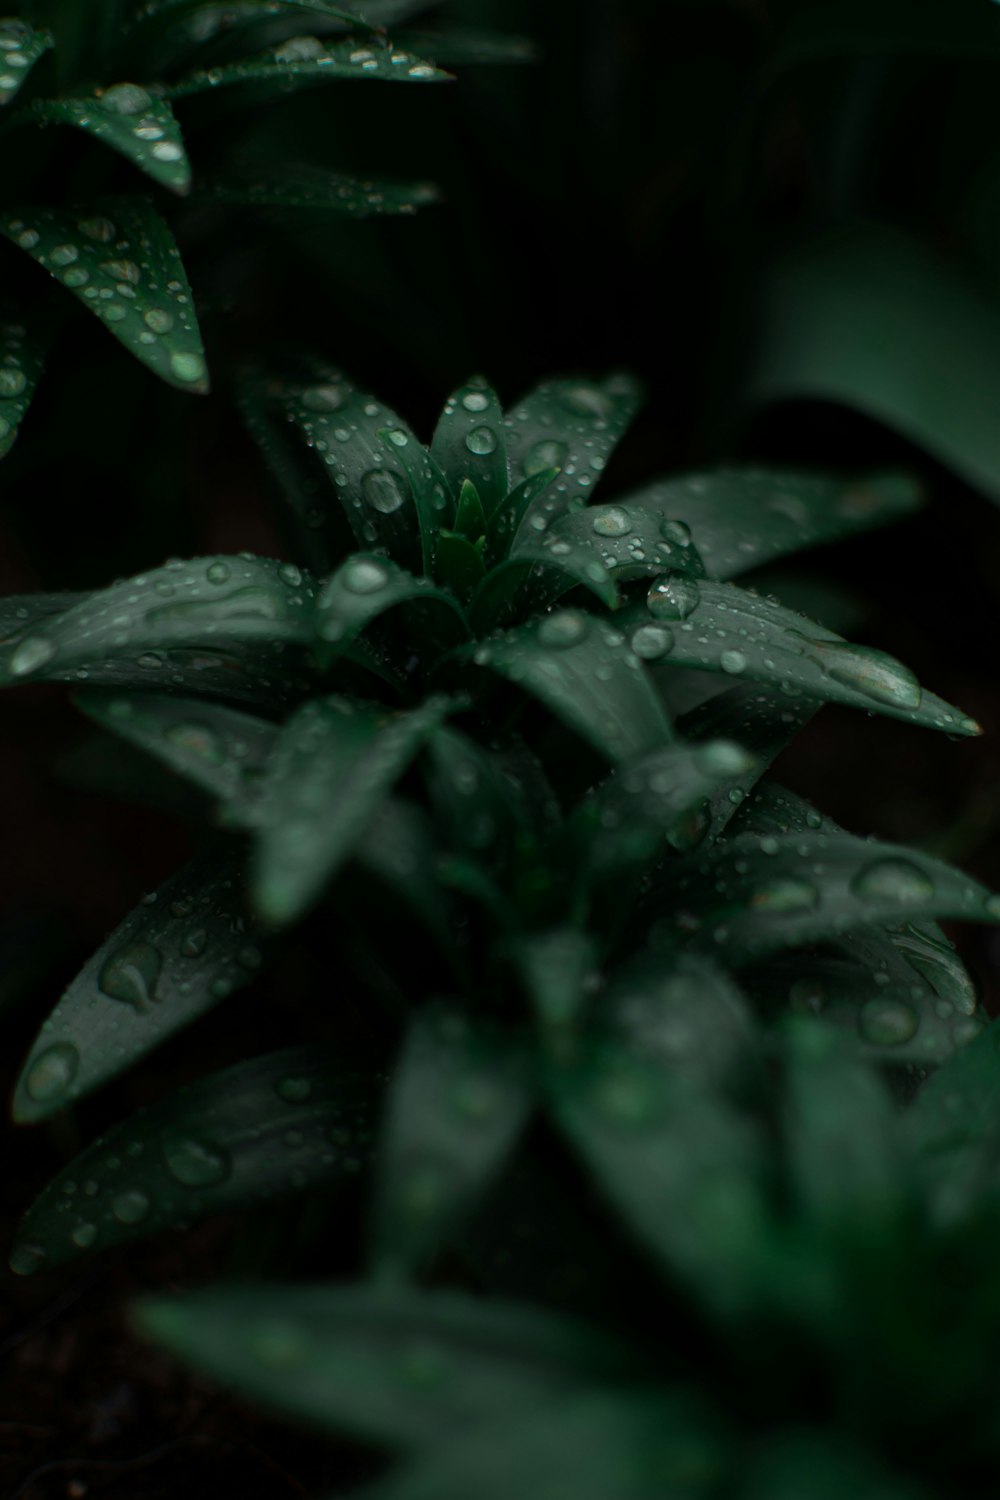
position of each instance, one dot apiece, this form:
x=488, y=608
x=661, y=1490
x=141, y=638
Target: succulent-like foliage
x=468, y=694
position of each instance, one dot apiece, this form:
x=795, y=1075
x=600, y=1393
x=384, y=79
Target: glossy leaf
x=629, y=541
x=20, y=613
x=541, y=575
x=133, y=122
x=868, y=318
x=119, y=258
x=180, y=952
x=742, y=518
x=753, y=896
x=333, y=764
x=279, y=1124
x=459, y=1099
x=718, y=627
x=20, y=48
x=572, y=425
x=22, y=362
x=470, y=444
x=582, y=669
x=219, y=749
x=643, y=1443
x=406, y=1368
x=365, y=587
x=322, y=195
x=314, y=60
x=505, y=521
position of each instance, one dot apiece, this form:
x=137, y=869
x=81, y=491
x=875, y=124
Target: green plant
x=417, y=736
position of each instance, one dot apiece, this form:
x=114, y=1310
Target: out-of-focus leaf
x=583, y=670
x=22, y=363
x=463, y=48
x=458, y=1101
x=120, y=259
x=180, y=952
x=475, y=798
x=314, y=59
x=20, y=48
x=573, y=425
x=205, y=18
x=130, y=120
x=333, y=764
x=753, y=896
x=645, y=1443
x=470, y=443
x=221, y=750
x=278, y=1124
x=557, y=968
x=742, y=518
x=322, y=194
x=406, y=1368
x=866, y=317
x=814, y=29
x=823, y=1465
x=365, y=587
x=718, y=627
x=954, y=1125
x=219, y=626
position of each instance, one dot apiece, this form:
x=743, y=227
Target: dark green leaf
x=583, y=670
x=954, y=1125
x=458, y=564
x=455, y=49
x=207, y=17
x=506, y=519
x=323, y=194
x=630, y=541
x=130, y=120
x=460, y=1097
x=119, y=258
x=822, y=1465
x=718, y=627
x=365, y=587
x=557, y=969
x=314, y=59
x=470, y=443
x=526, y=584
x=403, y=1367
x=180, y=952
x=334, y=762
x=476, y=797
x=22, y=362
x=572, y=425
x=742, y=518
x=264, y=1128
x=20, y=48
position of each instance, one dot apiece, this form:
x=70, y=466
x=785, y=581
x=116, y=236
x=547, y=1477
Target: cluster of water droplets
x=14, y=381
x=20, y=47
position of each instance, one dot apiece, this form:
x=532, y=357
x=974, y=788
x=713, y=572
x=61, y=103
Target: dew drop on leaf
x=125, y=99
x=672, y=597
x=84, y=1235
x=131, y=975
x=51, y=1074
x=364, y=577
x=566, y=628
x=481, y=440
x=733, y=662
x=26, y=1259
x=895, y=880
x=196, y=1163
x=786, y=895
x=870, y=671
x=131, y=1207
x=32, y=653
x=547, y=454
x=887, y=1023
x=612, y=521
x=382, y=490
x=293, y=1089
x=652, y=641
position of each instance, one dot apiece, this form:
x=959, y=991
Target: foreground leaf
x=174, y=958
x=120, y=259
x=314, y=60
x=401, y=1367
x=130, y=120
x=284, y=1123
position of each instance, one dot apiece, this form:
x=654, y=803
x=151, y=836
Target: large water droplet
x=894, y=880
x=724, y=759
x=586, y=400
x=329, y=397
x=612, y=521
x=12, y=383
x=481, y=440
x=84, y=1235
x=887, y=1023
x=565, y=628
x=50, y=1075
x=125, y=99
x=733, y=662
x=196, y=1163
x=131, y=975
x=475, y=401
x=25, y=1259
x=546, y=454
x=361, y=576
x=869, y=671
x=32, y=653
x=382, y=490
x=131, y=1207
x=672, y=597
x=652, y=641
x=188, y=367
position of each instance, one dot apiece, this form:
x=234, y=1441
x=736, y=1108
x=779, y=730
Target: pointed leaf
x=224, y=626
x=315, y=60
x=583, y=670
x=22, y=363
x=333, y=764
x=505, y=521
x=367, y=585
x=20, y=48
x=398, y=1366
x=203, y=20
x=284, y=1123
x=221, y=750
x=20, y=613
x=571, y=425
x=470, y=518
x=458, y=564
x=322, y=194
x=119, y=258
x=178, y=954
x=718, y=627
x=760, y=895
x=743, y=518
x=130, y=120
x=470, y=444
x=458, y=1101
x=556, y=968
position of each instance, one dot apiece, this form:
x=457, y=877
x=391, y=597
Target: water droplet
x=733, y=662
x=652, y=641
x=567, y=627
x=382, y=490
x=481, y=440
x=100, y=229
x=32, y=653
x=131, y=1207
x=131, y=975
x=196, y=1163
x=894, y=880
x=12, y=383
x=786, y=895
x=612, y=521
x=84, y=1235
x=869, y=671
x=586, y=400
x=299, y=49
x=158, y=319
x=676, y=531
x=64, y=255
x=362, y=576
x=26, y=1259
x=887, y=1023
x=50, y=1075
x=966, y=1030
x=724, y=759
x=672, y=597
x=195, y=943
x=218, y=572
x=125, y=99
x=188, y=367
x=293, y=1089
x=168, y=151
x=327, y=397
x=475, y=401
x=290, y=574
x=546, y=454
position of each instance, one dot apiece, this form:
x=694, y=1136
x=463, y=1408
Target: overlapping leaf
x=287, y=1122
x=132, y=121
x=470, y=443
x=365, y=587
x=314, y=59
